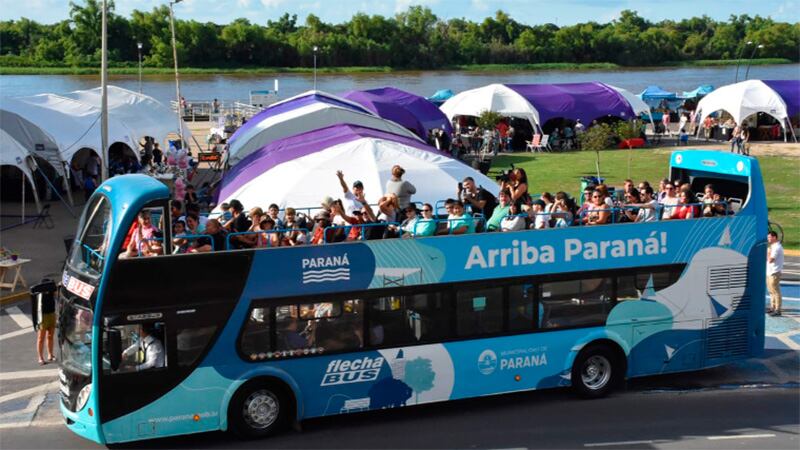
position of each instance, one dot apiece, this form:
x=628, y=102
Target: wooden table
x=8, y=265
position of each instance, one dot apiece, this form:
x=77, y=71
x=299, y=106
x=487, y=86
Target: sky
x=531, y=12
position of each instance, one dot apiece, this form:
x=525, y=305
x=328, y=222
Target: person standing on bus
x=399, y=187
x=352, y=199
x=481, y=200
x=774, y=269
x=150, y=349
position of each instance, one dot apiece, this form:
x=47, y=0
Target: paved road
x=757, y=400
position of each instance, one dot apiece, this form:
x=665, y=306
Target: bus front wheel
x=258, y=410
x=595, y=371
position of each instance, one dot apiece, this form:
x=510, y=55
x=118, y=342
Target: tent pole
x=23, y=199
x=50, y=183
x=35, y=194
x=67, y=185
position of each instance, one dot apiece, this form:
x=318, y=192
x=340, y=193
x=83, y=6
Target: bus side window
x=575, y=302
x=325, y=326
x=388, y=322
x=142, y=348
x=521, y=313
x=256, y=335
x=479, y=311
x=634, y=287
x=192, y=342
x=428, y=317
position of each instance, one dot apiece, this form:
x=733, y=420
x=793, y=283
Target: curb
x=791, y=252
x=13, y=298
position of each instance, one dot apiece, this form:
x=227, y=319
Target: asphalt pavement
x=749, y=404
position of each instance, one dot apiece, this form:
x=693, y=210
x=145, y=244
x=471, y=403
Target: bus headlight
x=83, y=397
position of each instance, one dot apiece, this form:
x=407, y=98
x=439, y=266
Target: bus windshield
x=76, y=337
x=88, y=254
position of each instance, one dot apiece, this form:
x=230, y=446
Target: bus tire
x=258, y=409
x=595, y=371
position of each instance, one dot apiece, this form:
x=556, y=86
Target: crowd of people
x=474, y=209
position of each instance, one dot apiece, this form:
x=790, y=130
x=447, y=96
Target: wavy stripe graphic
x=326, y=275
x=321, y=280
x=323, y=271
x=345, y=276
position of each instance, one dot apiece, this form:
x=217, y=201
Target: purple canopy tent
x=584, y=101
x=789, y=90
x=293, y=103
x=409, y=110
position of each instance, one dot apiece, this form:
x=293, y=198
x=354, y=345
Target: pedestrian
x=774, y=269
x=736, y=142
x=43, y=311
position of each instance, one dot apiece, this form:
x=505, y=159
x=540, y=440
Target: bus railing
x=362, y=228
x=476, y=220
x=279, y=232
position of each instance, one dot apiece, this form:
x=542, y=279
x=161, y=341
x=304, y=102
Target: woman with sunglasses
x=599, y=212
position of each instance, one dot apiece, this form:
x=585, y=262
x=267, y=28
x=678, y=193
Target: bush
x=488, y=120
x=597, y=137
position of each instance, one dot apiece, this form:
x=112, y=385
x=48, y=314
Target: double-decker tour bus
x=250, y=340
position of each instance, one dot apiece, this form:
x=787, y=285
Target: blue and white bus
x=252, y=340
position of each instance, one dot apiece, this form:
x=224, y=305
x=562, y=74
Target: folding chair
x=534, y=143
x=543, y=144
x=44, y=219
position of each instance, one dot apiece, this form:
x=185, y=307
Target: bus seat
x=735, y=204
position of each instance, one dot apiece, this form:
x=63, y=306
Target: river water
x=237, y=87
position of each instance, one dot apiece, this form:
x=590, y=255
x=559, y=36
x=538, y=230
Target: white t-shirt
x=776, y=252
x=513, y=223
x=647, y=214
x=351, y=203
x=542, y=220
x=669, y=203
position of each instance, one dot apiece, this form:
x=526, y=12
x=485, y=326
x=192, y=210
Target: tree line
x=416, y=39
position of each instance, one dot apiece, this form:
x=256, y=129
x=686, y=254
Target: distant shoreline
x=134, y=70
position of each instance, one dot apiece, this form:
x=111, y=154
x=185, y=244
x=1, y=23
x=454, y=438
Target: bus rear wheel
x=595, y=372
x=257, y=411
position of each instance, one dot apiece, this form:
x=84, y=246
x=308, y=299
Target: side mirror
x=114, y=348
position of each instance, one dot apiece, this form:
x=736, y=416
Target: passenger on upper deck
x=274, y=213
x=410, y=222
x=352, y=200
x=481, y=200
x=541, y=219
x=389, y=206
x=500, y=212
x=238, y=224
x=461, y=223
x=321, y=221
x=648, y=207
x=216, y=242
x=143, y=242
x=562, y=210
x=687, y=208
x=426, y=226
x=297, y=236
x=268, y=238
x=402, y=189
x=668, y=201
x=517, y=185
x=514, y=221
x=712, y=203
x=599, y=212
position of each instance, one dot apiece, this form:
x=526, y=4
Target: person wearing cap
x=541, y=219
x=353, y=200
x=322, y=220
x=399, y=187
x=409, y=223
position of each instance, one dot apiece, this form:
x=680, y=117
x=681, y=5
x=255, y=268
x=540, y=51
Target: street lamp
x=104, y=94
x=739, y=60
x=139, y=46
x=750, y=61
x=315, y=67
x=177, y=79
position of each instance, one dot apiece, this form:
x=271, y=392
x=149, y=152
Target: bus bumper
x=82, y=424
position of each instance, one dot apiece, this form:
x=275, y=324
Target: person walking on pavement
x=774, y=269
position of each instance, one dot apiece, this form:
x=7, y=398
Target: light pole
x=139, y=46
x=750, y=61
x=104, y=94
x=177, y=79
x=315, y=67
x=739, y=60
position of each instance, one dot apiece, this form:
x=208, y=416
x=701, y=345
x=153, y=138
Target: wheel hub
x=596, y=372
x=261, y=409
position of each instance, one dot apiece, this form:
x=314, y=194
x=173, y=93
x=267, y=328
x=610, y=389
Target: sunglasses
x=426, y=210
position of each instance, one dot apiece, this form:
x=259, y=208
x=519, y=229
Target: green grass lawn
x=554, y=172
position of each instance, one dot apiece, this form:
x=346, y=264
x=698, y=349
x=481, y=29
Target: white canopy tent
x=306, y=116
x=637, y=104
x=72, y=121
x=289, y=174
x=494, y=97
x=742, y=100
x=12, y=153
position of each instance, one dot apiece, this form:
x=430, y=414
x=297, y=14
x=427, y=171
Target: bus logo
x=487, y=362
x=352, y=371
x=322, y=269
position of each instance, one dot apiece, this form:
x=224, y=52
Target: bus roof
x=132, y=190
x=712, y=161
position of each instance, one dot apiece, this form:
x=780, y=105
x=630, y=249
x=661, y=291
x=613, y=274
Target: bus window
x=479, y=311
x=633, y=287
x=388, y=321
x=428, y=317
x=321, y=327
x=143, y=348
x=192, y=342
x=521, y=307
x=575, y=302
x=255, y=336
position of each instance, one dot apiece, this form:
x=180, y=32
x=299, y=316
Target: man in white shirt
x=648, y=207
x=151, y=348
x=774, y=269
x=353, y=200
x=669, y=201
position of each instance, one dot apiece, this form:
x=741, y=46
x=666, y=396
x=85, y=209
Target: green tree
x=597, y=137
